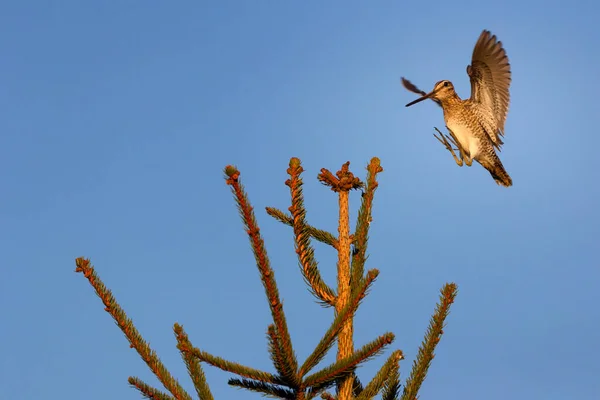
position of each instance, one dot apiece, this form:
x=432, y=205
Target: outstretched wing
x=408, y=85
x=490, y=77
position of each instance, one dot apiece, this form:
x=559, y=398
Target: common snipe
x=476, y=125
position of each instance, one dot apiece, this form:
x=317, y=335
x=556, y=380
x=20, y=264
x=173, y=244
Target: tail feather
x=496, y=169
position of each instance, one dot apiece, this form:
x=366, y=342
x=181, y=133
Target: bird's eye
x=446, y=84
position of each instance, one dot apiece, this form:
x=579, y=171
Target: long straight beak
x=420, y=99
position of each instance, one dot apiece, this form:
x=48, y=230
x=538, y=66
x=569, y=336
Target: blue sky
x=116, y=122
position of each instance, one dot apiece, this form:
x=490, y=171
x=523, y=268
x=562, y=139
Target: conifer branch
x=346, y=336
x=432, y=338
x=358, y=387
x=329, y=338
x=236, y=368
x=361, y=234
x=264, y=388
x=266, y=272
x=342, y=183
x=383, y=376
x=193, y=365
x=309, y=268
x=345, y=367
x=391, y=388
x=276, y=353
x=131, y=333
x=318, y=234
x=148, y=391
x=317, y=390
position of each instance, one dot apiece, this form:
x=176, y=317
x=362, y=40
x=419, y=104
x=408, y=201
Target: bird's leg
x=448, y=142
x=463, y=154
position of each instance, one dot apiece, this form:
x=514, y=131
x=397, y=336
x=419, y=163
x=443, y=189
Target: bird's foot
x=464, y=155
x=448, y=141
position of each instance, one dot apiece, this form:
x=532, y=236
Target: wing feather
x=408, y=85
x=490, y=77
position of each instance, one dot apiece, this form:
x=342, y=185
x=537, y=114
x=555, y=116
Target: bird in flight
x=476, y=125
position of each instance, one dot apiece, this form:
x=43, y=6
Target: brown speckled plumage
x=476, y=125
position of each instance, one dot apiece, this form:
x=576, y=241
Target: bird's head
x=441, y=91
